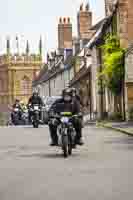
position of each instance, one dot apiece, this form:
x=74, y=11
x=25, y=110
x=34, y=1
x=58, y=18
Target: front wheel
x=65, y=146
x=36, y=120
x=35, y=125
x=70, y=149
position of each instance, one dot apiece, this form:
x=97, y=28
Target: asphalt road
x=32, y=170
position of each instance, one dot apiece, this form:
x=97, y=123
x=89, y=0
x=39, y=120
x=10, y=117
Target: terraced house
x=98, y=100
x=118, y=21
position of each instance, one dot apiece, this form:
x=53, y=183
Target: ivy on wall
x=113, y=64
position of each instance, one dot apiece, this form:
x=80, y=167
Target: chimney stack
x=64, y=34
x=84, y=19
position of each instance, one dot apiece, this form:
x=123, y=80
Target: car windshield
x=50, y=101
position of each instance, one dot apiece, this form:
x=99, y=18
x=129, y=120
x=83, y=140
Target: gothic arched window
x=25, y=85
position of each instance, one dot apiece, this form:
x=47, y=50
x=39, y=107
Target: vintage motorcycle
x=35, y=110
x=15, y=116
x=24, y=117
x=66, y=132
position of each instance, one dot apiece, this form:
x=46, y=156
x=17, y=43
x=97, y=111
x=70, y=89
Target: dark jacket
x=61, y=106
x=35, y=100
x=78, y=99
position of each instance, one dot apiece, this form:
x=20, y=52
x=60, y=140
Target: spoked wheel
x=65, y=146
x=70, y=145
x=70, y=149
x=35, y=124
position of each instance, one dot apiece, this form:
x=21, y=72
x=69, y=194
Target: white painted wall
x=57, y=83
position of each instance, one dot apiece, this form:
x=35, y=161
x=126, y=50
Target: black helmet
x=67, y=91
x=67, y=94
x=35, y=93
x=17, y=100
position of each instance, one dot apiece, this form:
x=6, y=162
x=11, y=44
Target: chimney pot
x=87, y=7
x=81, y=7
x=60, y=20
x=68, y=19
x=64, y=20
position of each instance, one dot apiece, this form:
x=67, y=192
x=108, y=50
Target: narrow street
x=32, y=170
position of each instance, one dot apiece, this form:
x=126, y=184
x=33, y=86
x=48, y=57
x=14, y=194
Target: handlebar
x=58, y=116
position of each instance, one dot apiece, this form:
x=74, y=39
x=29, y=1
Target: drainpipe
x=49, y=88
x=90, y=96
x=123, y=87
x=101, y=86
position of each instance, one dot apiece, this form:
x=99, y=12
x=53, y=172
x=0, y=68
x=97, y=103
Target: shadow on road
x=45, y=155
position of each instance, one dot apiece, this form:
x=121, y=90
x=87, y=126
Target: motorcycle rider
x=16, y=105
x=70, y=105
x=24, y=109
x=23, y=106
x=35, y=99
x=76, y=95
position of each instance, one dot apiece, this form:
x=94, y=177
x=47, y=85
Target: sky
x=28, y=19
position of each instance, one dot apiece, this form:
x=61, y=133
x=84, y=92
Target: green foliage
x=113, y=70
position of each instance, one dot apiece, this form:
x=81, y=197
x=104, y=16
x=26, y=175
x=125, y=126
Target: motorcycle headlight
x=64, y=119
x=36, y=108
x=16, y=109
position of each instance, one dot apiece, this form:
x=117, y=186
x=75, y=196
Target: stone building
x=60, y=70
x=123, y=19
x=56, y=78
x=129, y=81
x=16, y=75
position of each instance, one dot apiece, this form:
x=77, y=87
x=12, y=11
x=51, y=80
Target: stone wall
x=16, y=76
x=129, y=80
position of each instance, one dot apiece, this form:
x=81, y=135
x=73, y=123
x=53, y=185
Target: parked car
x=48, y=103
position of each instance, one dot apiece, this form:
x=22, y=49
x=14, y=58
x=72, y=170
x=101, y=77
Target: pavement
x=32, y=170
x=124, y=127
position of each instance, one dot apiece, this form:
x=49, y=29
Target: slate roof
x=83, y=72
x=56, y=69
x=98, y=25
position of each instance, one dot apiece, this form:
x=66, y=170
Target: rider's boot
x=80, y=141
x=53, y=134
